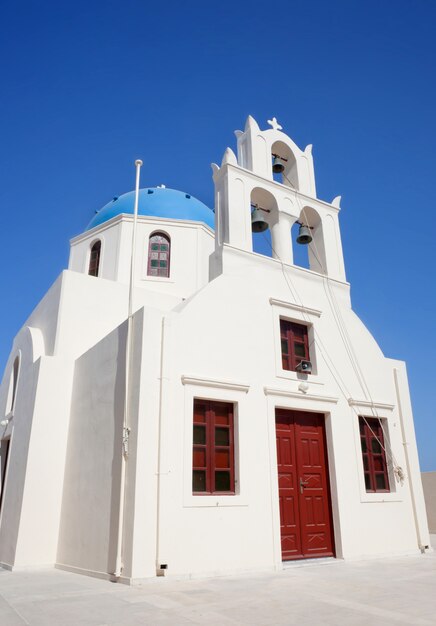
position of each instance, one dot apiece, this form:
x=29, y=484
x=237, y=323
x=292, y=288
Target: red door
x=305, y=514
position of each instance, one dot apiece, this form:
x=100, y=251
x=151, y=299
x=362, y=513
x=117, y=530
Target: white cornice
x=213, y=382
x=285, y=393
x=278, y=185
x=127, y=217
x=371, y=405
x=289, y=266
x=295, y=307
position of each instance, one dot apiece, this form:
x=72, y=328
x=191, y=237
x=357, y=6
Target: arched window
x=159, y=251
x=94, y=259
x=13, y=386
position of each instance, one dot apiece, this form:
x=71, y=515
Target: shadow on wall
x=429, y=486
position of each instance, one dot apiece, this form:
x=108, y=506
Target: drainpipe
x=406, y=454
x=159, y=570
x=119, y=565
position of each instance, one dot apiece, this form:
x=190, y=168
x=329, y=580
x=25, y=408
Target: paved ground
x=388, y=591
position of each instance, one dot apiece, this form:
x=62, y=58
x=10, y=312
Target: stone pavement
x=399, y=590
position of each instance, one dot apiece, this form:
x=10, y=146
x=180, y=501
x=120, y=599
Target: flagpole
x=138, y=164
x=119, y=565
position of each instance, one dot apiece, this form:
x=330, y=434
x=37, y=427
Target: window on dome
x=159, y=252
x=94, y=259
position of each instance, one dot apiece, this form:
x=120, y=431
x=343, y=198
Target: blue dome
x=156, y=202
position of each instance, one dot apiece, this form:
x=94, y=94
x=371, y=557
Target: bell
x=258, y=221
x=278, y=167
x=304, y=235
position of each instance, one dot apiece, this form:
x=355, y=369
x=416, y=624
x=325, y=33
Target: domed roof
x=156, y=202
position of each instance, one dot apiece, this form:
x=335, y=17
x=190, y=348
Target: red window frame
x=159, y=255
x=373, y=455
x=213, y=448
x=94, y=259
x=294, y=341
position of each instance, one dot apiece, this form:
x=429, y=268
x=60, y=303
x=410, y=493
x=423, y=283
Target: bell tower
x=271, y=184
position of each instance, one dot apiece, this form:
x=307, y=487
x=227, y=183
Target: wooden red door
x=304, y=496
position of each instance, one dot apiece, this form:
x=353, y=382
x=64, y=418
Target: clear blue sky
x=87, y=87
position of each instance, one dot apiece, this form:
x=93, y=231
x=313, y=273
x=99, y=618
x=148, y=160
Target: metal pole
x=119, y=565
x=138, y=164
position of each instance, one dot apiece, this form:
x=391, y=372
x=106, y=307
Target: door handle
x=303, y=483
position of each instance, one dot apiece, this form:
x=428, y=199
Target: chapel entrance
x=304, y=495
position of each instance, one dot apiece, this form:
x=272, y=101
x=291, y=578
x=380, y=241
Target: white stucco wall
x=211, y=345
x=40, y=512
x=236, y=347
x=89, y=518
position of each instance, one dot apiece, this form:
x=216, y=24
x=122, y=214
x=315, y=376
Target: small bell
x=304, y=235
x=258, y=221
x=278, y=167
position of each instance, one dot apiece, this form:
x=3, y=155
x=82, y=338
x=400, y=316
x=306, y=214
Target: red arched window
x=94, y=259
x=159, y=250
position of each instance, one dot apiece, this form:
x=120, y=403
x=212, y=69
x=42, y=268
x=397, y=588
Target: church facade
x=241, y=417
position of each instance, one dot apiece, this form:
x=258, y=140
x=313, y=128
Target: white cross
x=274, y=123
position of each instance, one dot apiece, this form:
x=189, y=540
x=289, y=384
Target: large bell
x=278, y=166
x=258, y=221
x=304, y=235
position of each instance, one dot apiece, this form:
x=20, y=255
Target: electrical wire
x=348, y=343
x=350, y=350
x=343, y=331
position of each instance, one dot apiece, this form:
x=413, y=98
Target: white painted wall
x=238, y=347
x=42, y=496
x=89, y=517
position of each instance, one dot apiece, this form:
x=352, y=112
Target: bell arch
x=282, y=155
x=265, y=209
x=316, y=248
x=264, y=215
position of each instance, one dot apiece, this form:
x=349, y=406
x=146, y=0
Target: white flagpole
x=126, y=428
x=138, y=164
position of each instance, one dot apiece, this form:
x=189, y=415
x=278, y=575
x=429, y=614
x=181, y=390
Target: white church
x=180, y=405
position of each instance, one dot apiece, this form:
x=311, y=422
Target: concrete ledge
x=94, y=573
